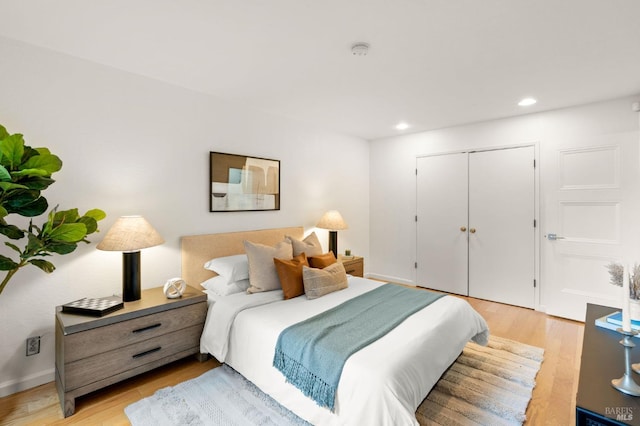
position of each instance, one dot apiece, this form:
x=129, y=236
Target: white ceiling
x=432, y=63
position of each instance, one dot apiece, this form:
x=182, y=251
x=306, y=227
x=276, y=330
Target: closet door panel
x=501, y=215
x=441, y=202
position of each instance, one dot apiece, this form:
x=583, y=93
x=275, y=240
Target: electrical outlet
x=33, y=345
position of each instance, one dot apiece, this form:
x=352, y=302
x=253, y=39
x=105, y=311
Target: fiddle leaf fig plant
x=24, y=173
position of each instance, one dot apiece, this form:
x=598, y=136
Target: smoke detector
x=360, y=49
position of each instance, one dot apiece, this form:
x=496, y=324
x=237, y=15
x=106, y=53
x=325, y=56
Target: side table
x=92, y=353
x=597, y=402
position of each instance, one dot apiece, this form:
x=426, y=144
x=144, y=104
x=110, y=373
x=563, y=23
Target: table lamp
x=130, y=234
x=333, y=221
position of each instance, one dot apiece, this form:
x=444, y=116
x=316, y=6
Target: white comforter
x=382, y=384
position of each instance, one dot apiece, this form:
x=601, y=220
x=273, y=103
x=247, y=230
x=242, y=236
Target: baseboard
x=14, y=386
x=388, y=278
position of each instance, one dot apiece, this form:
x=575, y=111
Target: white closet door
x=501, y=229
x=441, y=207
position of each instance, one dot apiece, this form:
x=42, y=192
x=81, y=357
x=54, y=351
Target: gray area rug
x=218, y=397
x=486, y=385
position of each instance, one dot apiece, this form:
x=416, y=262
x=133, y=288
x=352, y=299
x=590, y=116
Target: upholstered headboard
x=198, y=249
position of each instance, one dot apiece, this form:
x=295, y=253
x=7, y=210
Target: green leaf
x=30, y=173
x=14, y=247
x=34, y=244
x=66, y=216
x=47, y=162
x=7, y=264
x=90, y=223
x=97, y=214
x=21, y=198
x=68, y=232
x=3, y=212
x=3, y=132
x=61, y=248
x=12, y=148
x=7, y=186
x=11, y=231
x=37, y=183
x=42, y=150
x=43, y=264
x=4, y=174
x=32, y=209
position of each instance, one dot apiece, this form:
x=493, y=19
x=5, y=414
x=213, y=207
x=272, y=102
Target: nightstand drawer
x=107, y=364
x=78, y=346
x=353, y=266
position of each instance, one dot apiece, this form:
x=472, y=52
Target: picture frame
x=243, y=183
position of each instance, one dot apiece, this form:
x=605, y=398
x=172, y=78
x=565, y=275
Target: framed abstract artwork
x=243, y=183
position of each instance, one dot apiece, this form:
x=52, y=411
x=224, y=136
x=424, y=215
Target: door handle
x=472, y=230
x=463, y=228
x=553, y=237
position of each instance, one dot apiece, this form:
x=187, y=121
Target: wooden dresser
x=92, y=353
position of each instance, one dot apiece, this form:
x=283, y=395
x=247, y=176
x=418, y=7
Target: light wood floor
x=553, y=401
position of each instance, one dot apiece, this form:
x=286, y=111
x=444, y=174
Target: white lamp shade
x=130, y=233
x=332, y=220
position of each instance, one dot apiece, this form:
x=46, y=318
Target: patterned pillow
x=318, y=282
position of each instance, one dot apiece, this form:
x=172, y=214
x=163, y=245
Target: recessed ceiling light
x=527, y=102
x=402, y=126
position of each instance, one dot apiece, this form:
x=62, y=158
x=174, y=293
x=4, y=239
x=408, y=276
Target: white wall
x=131, y=145
x=393, y=181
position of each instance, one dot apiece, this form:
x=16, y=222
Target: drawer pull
x=143, y=329
x=350, y=271
x=150, y=351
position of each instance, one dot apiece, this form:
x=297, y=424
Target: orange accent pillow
x=322, y=261
x=290, y=274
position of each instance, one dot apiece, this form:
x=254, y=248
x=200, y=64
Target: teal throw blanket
x=311, y=354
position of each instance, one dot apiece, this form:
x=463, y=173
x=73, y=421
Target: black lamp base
x=130, y=276
x=333, y=242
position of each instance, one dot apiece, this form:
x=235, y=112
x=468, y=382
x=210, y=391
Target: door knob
x=463, y=228
x=472, y=230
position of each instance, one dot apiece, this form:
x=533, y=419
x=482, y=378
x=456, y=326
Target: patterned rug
x=489, y=385
x=486, y=385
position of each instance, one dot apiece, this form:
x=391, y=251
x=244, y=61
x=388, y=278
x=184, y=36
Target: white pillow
x=234, y=268
x=221, y=286
x=243, y=285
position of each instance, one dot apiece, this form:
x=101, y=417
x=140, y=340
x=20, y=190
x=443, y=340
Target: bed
x=381, y=384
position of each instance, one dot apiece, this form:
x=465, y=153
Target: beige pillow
x=318, y=282
x=262, y=271
x=310, y=245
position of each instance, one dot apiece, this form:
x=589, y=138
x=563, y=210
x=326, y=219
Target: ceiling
x=432, y=63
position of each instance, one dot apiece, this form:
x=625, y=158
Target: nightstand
x=92, y=353
x=354, y=265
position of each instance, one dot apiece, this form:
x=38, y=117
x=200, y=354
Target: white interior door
x=593, y=207
x=501, y=225
x=441, y=207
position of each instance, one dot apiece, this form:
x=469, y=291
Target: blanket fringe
x=310, y=384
